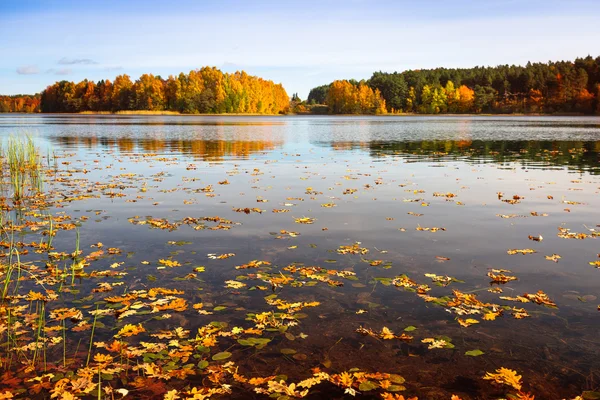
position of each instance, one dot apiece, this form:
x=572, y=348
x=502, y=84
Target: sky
x=301, y=44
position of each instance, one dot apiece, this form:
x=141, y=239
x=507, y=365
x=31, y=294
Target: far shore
x=175, y=113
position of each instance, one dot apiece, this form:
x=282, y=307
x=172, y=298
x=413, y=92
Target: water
x=135, y=168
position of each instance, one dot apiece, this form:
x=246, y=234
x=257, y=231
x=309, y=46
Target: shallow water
x=396, y=164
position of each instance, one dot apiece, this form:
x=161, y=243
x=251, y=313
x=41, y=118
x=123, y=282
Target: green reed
x=23, y=163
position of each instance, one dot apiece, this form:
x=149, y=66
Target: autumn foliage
x=344, y=97
x=553, y=87
x=20, y=104
x=207, y=90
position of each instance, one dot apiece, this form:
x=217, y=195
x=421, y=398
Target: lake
x=435, y=249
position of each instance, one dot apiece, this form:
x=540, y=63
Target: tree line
x=553, y=87
x=20, y=103
x=207, y=90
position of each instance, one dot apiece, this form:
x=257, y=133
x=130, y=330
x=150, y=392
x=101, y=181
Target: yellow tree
x=411, y=100
x=149, y=93
x=453, y=97
x=122, y=94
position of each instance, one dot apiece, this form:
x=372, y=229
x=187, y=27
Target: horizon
x=302, y=47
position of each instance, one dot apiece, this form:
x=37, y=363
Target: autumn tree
x=465, y=98
x=207, y=90
x=122, y=94
x=344, y=97
x=563, y=86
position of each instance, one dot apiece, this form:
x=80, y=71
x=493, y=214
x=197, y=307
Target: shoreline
x=175, y=113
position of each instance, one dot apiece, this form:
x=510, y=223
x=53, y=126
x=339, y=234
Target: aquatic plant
x=22, y=161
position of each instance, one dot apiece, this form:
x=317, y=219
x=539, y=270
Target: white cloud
x=28, y=70
x=71, y=61
x=60, y=71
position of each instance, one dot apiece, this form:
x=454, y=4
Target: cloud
x=115, y=68
x=28, y=70
x=61, y=71
x=72, y=61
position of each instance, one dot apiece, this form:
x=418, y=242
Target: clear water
x=389, y=160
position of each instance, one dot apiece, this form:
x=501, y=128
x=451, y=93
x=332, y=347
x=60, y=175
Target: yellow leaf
x=171, y=395
x=386, y=333
x=505, y=376
x=131, y=330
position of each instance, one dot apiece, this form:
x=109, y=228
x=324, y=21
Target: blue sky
x=301, y=44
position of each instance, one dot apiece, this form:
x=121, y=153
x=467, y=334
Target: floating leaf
x=224, y=355
x=505, y=376
x=367, y=386
x=474, y=353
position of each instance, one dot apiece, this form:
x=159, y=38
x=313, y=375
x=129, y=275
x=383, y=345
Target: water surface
x=374, y=180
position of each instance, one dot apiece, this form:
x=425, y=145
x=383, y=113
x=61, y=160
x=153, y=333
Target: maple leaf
x=308, y=383
x=131, y=330
x=505, y=376
x=345, y=379
x=491, y=316
x=281, y=387
x=171, y=395
x=467, y=322
x=169, y=263
x=235, y=284
x=386, y=333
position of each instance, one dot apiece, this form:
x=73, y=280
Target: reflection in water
x=577, y=155
x=210, y=150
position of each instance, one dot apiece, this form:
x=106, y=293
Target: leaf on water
x=367, y=386
x=224, y=355
x=131, y=330
x=397, y=379
x=520, y=251
x=540, y=298
x=438, y=343
x=467, y=322
x=234, y=284
x=304, y=220
x=505, y=376
x=169, y=263
x=410, y=328
x=474, y=353
x=288, y=351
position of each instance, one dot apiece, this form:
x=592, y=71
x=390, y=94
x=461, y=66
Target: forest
x=207, y=90
x=20, y=103
x=553, y=87
x=562, y=87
